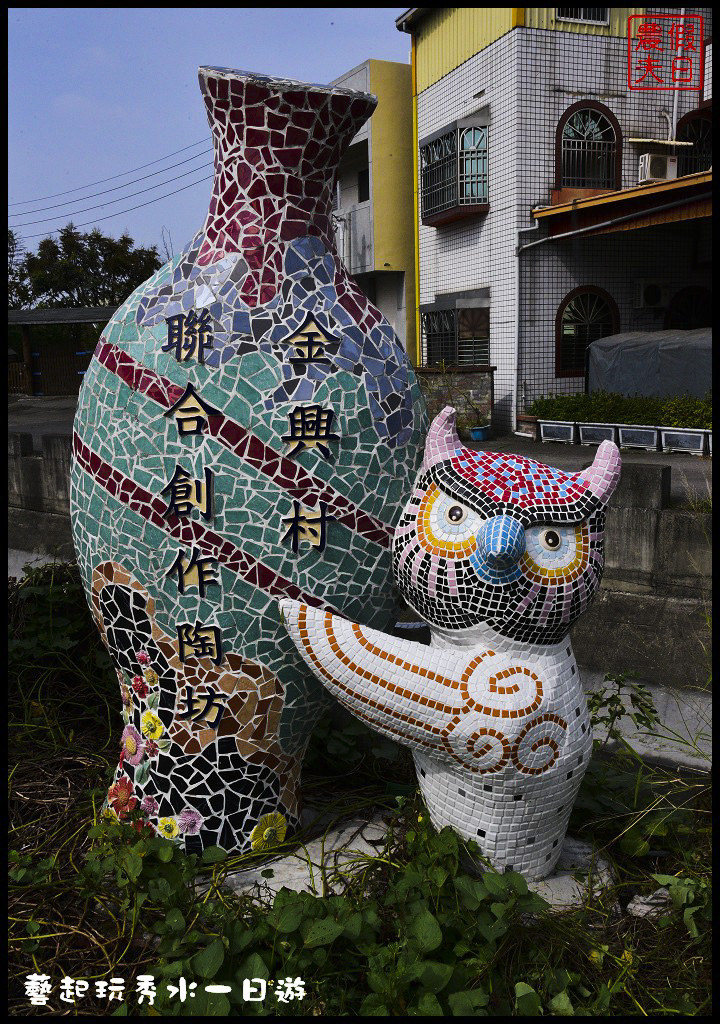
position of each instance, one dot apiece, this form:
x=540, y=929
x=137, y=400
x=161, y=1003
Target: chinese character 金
x=189, y=335
x=194, y=571
x=199, y=641
x=311, y=343
x=185, y=494
x=306, y=524
x=191, y=412
x=310, y=427
x=205, y=708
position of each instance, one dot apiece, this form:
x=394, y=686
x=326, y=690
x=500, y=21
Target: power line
x=109, y=202
x=121, y=212
x=40, y=199
x=116, y=188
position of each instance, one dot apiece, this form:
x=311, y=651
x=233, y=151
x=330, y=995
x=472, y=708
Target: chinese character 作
x=199, y=641
x=204, y=708
x=311, y=344
x=189, y=335
x=307, y=524
x=194, y=571
x=191, y=413
x=185, y=494
x=310, y=427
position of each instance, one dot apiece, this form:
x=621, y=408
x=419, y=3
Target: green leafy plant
x=607, y=407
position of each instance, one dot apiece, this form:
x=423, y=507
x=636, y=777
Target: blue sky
x=97, y=92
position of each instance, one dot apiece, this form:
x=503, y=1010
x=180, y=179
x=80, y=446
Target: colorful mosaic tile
x=248, y=430
x=499, y=555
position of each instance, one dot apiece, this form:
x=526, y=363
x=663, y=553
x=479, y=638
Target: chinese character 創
x=187, y=494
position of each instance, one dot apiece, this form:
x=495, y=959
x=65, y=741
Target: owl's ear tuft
x=442, y=441
x=603, y=475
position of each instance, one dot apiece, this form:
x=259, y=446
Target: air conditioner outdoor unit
x=650, y=295
x=657, y=167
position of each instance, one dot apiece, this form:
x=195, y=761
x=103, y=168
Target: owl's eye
x=550, y=540
x=456, y=514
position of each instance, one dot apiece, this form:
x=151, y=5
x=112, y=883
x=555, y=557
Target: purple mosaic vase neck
x=278, y=144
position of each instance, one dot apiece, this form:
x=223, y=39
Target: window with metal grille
x=695, y=128
x=585, y=315
x=588, y=15
x=457, y=337
x=589, y=151
x=454, y=170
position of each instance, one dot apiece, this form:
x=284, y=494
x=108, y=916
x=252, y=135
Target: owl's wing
x=439, y=701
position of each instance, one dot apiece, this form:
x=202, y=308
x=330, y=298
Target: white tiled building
x=479, y=301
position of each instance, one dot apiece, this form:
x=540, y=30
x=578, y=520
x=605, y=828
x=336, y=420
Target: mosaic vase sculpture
x=248, y=430
x=499, y=555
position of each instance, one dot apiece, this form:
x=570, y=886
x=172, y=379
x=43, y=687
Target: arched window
x=586, y=314
x=695, y=127
x=588, y=148
x=473, y=165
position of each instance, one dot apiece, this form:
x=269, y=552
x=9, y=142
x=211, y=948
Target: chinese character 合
x=310, y=344
x=185, y=494
x=193, y=571
x=191, y=412
x=189, y=335
x=205, y=708
x=203, y=641
x=310, y=427
x=306, y=524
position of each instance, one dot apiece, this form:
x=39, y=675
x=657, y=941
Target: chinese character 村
x=306, y=524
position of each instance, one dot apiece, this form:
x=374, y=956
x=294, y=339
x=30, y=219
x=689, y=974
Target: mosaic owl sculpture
x=499, y=555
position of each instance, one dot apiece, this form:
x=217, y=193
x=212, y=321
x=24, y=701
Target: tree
x=87, y=269
x=19, y=295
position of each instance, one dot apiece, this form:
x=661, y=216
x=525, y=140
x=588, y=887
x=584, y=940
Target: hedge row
x=605, y=407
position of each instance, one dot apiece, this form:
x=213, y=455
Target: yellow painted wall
x=393, y=161
x=544, y=17
x=448, y=36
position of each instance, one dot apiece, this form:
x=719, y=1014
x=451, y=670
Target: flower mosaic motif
x=248, y=429
x=499, y=555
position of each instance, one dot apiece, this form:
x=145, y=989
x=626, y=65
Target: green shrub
x=607, y=407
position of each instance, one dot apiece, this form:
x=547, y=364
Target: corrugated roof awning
x=659, y=202
x=61, y=315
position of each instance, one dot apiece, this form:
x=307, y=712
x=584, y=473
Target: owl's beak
x=501, y=541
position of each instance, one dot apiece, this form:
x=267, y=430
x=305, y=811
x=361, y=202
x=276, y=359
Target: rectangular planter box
x=633, y=435
x=557, y=430
x=594, y=433
x=683, y=439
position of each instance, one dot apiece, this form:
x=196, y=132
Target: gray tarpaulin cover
x=659, y=363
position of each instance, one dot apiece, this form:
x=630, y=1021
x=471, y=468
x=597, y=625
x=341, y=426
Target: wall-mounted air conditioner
x=651, y=295
x=657, y=167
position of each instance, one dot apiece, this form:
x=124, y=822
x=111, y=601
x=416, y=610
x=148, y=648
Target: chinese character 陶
x=70, y=989
x=146, y=988
x=310, y=427
x=306, y=524
x=204, y=708
x=183, y=989
x=203, y=641
x=191, y=412
x=189, y=335
x=254, y=989
x=193, y=571
x=287, y=989
x=187, y=494
x=37, y=988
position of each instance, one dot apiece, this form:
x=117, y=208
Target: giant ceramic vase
x=248, y=430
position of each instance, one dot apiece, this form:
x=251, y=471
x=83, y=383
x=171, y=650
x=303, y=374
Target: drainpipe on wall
x=518, y=249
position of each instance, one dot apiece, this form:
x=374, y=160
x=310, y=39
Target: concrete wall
x=651, y=615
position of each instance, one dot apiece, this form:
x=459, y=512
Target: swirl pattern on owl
x=499, y=555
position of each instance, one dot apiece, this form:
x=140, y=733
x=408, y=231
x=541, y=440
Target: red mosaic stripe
x=188, y=532
x=283, y=471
